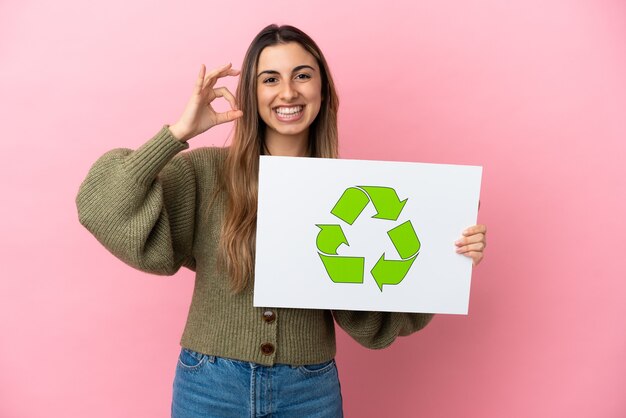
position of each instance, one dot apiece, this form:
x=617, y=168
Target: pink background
x=535, y=91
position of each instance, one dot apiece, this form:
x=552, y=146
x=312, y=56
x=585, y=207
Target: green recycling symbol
x=344, y=269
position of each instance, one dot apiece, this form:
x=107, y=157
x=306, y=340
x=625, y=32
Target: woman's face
x=289, y=90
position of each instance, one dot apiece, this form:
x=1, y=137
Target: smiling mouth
x=288, y=113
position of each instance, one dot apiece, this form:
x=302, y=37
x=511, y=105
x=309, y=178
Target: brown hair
x=241, y=169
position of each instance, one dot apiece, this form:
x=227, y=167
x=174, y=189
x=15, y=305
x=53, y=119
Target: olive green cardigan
x=150, y=208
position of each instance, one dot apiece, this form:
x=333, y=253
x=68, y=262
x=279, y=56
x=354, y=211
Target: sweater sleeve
x=378, y=330
x=141, y=204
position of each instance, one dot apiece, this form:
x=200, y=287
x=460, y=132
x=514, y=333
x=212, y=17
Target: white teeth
x=288, y=110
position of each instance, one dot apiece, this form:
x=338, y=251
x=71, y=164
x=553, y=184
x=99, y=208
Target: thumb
x=229, y=116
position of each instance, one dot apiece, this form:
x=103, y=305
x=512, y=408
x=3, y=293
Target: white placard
x=309, y=207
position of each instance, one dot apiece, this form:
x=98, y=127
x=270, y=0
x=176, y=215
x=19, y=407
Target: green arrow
x=391, y=272
x=405, y=240
x=350, y=205
x=344, y=269
x=330, y=238
x=386, y=201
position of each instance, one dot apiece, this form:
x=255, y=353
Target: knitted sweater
x=150, y=208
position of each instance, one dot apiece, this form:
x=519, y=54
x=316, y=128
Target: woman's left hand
x=473, y=243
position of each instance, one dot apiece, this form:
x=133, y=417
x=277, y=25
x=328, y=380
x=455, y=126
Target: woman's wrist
x=179, y=133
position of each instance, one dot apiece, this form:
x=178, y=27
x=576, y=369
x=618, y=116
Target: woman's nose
x=287, y=92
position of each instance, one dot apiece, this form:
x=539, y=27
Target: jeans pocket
x=317, y=369
x=191, y=360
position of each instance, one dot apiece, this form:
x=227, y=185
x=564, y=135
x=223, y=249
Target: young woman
x=157, y=209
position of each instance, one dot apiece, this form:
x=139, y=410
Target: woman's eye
x=269, y=80
x=303, y=76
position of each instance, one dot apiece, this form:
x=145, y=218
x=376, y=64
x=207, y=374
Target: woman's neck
x=287, y=145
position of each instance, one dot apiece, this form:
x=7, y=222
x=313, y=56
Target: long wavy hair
x=241, y=169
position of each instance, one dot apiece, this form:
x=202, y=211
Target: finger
x=214, y=72
x=476, y=256
x=231, y=72
x=200, y=80
x=212, y=77
x=225, y=93
x=472, y=239
x=476, y=229
x=228, y=116
x=479, y=247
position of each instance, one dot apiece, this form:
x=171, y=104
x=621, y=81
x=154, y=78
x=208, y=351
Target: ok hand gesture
x=199, y=115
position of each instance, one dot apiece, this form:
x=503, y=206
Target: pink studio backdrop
x=534, y=91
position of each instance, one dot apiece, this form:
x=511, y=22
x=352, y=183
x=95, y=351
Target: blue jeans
x=210, y=386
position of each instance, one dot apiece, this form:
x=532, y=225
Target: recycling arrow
x=391, y=271
x=407, y=244
x=386, y=202
x=330, y=238
x=353, y=201
x=350, y=205
x=344, y=269
x=405, y=240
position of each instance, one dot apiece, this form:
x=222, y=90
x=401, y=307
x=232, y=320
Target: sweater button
x=269, y=316
x=267, y=349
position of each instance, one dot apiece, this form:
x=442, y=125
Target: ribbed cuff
x=148, y=160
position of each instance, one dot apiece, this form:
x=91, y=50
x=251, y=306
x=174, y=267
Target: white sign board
x=363, y=235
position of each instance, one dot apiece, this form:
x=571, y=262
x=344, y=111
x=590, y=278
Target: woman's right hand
x=199, y=115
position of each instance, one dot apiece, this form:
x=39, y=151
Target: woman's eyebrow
x=295, y=69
